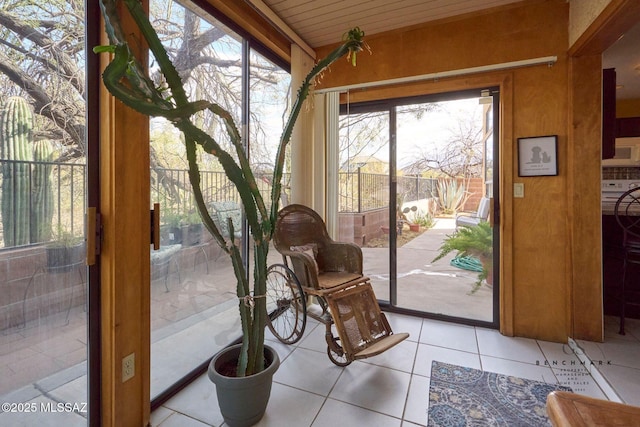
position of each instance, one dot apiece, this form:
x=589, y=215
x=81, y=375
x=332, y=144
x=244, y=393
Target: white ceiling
x=317, y=22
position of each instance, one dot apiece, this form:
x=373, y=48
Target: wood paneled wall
x=536, y=271
x=585, y=311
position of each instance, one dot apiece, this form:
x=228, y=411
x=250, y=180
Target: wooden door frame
x=124, y=258
x=585, y=310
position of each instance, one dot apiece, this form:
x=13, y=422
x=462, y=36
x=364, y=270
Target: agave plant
x=125, y=78
x=451, y=195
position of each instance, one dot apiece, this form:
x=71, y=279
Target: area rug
x=461, y=397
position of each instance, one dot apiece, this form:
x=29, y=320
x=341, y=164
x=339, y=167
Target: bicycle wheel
x=286, y=305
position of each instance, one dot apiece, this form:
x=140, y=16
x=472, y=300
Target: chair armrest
x=472, y=214
x=304, y=267
x=467, y=220
x=339, y=256
x=224, y=210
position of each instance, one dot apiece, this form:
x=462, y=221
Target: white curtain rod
x=549, y=60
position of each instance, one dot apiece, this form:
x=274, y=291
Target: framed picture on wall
x=538, y=156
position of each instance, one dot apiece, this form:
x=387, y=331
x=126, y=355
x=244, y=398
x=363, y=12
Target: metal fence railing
x=49, y=198
x=361, y=192
x=172, y=189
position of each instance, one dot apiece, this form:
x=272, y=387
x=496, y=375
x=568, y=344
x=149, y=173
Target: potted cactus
x=125, y=78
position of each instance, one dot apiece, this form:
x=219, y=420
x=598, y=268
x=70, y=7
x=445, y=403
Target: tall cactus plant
x=42, y=190
x=16, y=132
x=126, y=79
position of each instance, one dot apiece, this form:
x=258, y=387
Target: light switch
x=518, y=190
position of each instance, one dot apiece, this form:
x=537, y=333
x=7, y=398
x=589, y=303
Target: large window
x=43, y=157
x=193, y=298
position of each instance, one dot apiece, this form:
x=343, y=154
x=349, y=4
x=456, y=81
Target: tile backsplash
x=618, y=172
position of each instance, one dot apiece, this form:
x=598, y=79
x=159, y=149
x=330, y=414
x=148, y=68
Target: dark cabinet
x=627, y=127
x=608, y=113
x=612, y=268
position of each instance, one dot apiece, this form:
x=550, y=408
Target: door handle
x=155, y=226
x=492, y=213
x=93, y=233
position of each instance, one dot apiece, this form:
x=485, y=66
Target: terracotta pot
x=242, y=400
x=487, y=264
x=414, y=227
x=489, y=278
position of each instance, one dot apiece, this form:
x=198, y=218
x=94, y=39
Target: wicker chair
x=319, y=262
x=332, y=272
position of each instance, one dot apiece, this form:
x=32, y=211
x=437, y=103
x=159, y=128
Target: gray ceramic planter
x=243, y=400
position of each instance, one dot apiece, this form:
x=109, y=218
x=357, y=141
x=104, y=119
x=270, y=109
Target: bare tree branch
x=64, y=65
x=43, y=104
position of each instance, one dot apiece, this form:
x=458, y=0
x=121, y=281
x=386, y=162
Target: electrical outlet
x=128, y=367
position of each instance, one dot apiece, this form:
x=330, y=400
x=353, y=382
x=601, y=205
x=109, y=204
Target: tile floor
x=615, y=363
x=391, y=389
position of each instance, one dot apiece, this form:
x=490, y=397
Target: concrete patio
x=437, y=288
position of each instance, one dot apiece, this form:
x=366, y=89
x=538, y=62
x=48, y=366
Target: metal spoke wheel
x=336, y=353
x=286, y=305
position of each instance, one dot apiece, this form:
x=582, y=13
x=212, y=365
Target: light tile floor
x=615, y=363
x=391, y=389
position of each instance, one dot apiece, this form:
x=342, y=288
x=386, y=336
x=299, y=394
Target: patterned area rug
x=461, y=397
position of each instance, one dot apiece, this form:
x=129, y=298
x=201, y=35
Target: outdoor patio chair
x=224, y=210
x=162, y=259
x=474, y=218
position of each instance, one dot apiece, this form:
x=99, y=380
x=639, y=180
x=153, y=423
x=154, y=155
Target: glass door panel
x=423, y=167
x=364, y=192
x=269, y=104
x=442, y=170
x=193, y=302
x=194, y=308
x=43, y=193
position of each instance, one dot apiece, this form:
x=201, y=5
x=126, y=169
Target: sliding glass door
x=194, y=308
x=363, y=191
x=435, y=163
x=49, y=340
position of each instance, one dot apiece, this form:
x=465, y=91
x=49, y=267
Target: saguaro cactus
x=16, y=128
x=42, y=190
